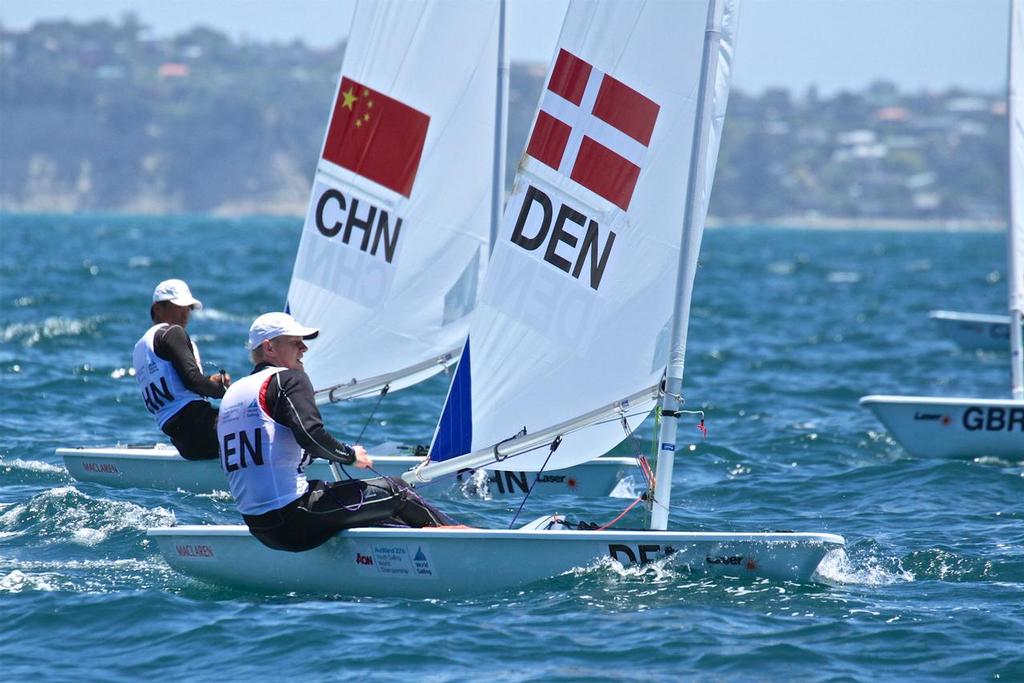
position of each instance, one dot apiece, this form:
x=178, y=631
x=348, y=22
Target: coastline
x=292, y=210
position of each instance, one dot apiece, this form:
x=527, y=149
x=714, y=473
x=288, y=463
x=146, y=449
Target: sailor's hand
x=362, y=459
x=221, y=378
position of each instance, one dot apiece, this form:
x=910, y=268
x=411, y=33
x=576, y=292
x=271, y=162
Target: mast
x=693, y=218
x=500, y=128
x=1015, y=222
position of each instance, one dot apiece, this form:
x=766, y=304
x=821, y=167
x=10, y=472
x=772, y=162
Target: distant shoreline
x=865, y=224
x=834, y=223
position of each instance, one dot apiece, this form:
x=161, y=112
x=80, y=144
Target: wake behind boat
x=931, y=426
x=574, y=341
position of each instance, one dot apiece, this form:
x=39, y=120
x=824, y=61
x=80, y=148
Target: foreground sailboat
x=928, y=426
x=567, y=351
x=407, y=193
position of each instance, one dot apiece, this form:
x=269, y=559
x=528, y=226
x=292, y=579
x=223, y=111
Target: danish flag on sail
x=376, y=136
x=593, y=128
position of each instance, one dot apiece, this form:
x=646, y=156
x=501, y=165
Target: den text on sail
x=573, y=240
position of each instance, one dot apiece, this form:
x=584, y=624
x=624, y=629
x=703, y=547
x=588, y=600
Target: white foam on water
x=76, y=575
x=836, y=567
x=18, y=581
x=222, y=496
x=843, y=277
x=31, y=334
x=476, y=486
x=209, y=313
x=31, y=466
x=627, y=487
x=66, y=512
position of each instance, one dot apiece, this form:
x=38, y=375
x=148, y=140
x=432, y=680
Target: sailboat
x=579, y=332
x=928, y=426
x=973, y=331
x=408, y=189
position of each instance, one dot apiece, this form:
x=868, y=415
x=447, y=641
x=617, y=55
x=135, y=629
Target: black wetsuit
x=328, y=507
x=193, y=429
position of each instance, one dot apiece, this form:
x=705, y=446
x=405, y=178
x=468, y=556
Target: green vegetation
x=100, y=117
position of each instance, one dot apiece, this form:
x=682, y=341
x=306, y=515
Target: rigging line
x=383, y=393
x=554, y=447
x=641, y=460
x=621, y=514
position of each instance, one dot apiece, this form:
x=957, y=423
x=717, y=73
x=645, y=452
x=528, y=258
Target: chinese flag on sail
x=593, y=128
x=376, y=136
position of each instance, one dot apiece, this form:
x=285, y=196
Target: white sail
x=395, y=241
x=576, y=308
x=1015, y=231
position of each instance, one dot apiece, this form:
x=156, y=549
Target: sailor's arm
x=173, y=344
x=290, y=402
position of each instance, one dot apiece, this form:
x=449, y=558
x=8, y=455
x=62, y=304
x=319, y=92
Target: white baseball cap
x=177, y=292
x=271, y=325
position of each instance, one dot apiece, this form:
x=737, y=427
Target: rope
x=554, y=446
x=621, y=514
x=383, y=393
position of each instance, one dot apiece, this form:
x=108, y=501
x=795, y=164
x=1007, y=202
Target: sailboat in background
x=407, y=193
x=974, y=331
x=577, y=331
x=974, y=427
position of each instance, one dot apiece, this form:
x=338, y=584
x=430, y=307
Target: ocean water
x=790, y=328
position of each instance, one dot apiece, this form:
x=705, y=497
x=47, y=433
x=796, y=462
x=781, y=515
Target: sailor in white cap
x=169, y=372
x=270, y=429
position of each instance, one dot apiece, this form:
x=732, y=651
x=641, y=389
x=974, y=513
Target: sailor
x=169, y=372
x=270, y=429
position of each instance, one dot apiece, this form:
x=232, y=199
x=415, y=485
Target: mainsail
x=1015, y=229
x=395, y=240
x=572, y=332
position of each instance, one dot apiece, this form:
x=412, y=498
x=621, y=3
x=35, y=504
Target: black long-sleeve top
x=290, y=402
x=173, y=344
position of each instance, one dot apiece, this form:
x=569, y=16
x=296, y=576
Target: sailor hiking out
x=169, y=372
x=270, y=429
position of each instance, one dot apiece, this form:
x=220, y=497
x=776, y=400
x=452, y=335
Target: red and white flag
x=376, y=136
x=593, y=128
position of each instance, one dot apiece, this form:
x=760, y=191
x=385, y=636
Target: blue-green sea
x=789, y=329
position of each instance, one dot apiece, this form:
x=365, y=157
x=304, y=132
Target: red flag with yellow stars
x=376, y=136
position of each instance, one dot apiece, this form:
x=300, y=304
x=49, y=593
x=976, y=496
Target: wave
x=78, y=575
x=30, y=334
x=64, y=513
x=864, y=564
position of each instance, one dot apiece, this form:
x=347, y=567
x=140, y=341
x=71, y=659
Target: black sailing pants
x=327, y=508
x=193, y=431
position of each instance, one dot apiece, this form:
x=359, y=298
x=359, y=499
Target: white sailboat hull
x=162, y=468
x=974, y=330
x=425, y=563
x=928, y=426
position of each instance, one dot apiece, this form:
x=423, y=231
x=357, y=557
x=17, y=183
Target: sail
x=395, y=240
x=574, y=320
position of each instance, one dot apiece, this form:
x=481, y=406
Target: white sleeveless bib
x=163, y=392
x=263, y=461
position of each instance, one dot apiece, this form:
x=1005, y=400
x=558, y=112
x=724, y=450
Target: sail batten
x=519, y=446
x=395, y=240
